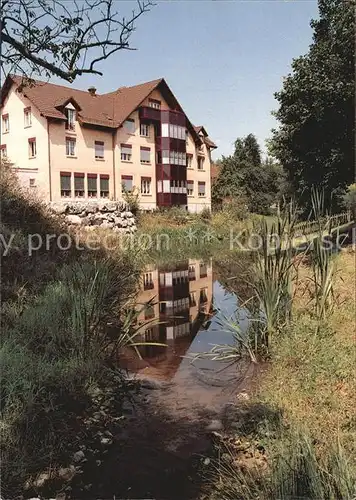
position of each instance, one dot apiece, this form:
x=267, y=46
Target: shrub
x=349, y=199
x=132, y=199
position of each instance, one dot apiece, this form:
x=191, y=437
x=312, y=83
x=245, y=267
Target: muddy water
x=189, y=303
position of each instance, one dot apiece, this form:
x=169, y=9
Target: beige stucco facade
x=43, y=171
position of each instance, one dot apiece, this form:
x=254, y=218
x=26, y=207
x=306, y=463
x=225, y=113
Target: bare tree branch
x=64, y=40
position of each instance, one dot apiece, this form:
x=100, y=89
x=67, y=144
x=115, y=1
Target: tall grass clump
x=322, y=258
x=274, y=262
x=65, y=342
x=297, y=471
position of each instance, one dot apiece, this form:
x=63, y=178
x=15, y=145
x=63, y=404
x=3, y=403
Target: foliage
x=244, y=175
x=349, y=199
x=48, y=37
x=132, y=199
x=315, y=141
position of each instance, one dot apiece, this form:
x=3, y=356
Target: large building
x=72, y=144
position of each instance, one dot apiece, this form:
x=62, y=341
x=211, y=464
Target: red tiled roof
x=108, y=110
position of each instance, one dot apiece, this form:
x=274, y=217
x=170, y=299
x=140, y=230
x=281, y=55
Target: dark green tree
x=315, y=141
x=245, y=175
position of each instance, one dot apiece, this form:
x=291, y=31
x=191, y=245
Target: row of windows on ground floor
x=98, y=185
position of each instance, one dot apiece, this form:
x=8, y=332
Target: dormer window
x=70, y=123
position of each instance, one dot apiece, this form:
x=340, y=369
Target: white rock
x=78, y=456
x=215, y=425
x=74, y=219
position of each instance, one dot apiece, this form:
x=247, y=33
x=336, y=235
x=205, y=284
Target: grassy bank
x=305, y=424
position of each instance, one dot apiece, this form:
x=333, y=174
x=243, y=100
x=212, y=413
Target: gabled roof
x=207, y=140
x=105, y=110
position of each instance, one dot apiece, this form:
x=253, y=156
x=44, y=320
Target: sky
x=223, y=60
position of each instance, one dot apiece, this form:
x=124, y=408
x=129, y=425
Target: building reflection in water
x=181, y=299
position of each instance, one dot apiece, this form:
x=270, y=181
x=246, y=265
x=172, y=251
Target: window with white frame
x=3, y=151
x=99, y=150
x=144, y=129
x=70, y=123
x=148, y=281
x=189, y=160
x=127, y=183
x=70, y=146
x=27, y=117
x=126, y=152
x=32, y=183
x=79, y=185
x=65, y=182
x=190, y=188
x=200, y=163
x=154, y=103
x=145, y=155
x=192, y=299
x=32, y=150
x=92, y=180
x=104, y=186
x=5, y=123
x=201, y=189
x=186, y=137
x=145, y=185
x=129, y=126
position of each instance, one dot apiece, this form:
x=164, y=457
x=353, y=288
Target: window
x=144, y=130
x=5, y=123
x=154, y=103
x=126, y=152
x=66, y=190
x=126, y=181
x=146, y=185
x=27, y=117
x=192, y=299
x=70, y=146
x=3, y=151
x=79, y=185
x=149, y=312
x=104, y=186
x=203, y=270
x=145, y=155
x=191, y=272
x=129, y=126
x=32, y=147
x=32, y=183
x=201, y=189
x=99, y=150
x=70, y=123
x=148, y=281
x=189, y=160
x=186, y=137
x=190, y=188
x=92, y=185
x=200, y=163
x=203, y=295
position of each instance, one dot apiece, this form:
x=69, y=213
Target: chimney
x=92, y=91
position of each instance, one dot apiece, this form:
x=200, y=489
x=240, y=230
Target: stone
x=76, y=207
x=215, y=425
x=109, y=206
x=78, y=456
x=108, y=225
x=105, y=441
x=41, y=479
x=151, y=384
x=74, y=219
x=59, y=207
x=91, y=207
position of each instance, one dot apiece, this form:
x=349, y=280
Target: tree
x=245, y=175
x=65, y=39
x=315, y=141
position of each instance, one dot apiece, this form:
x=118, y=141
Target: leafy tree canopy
x=315, y=141
x=62, y=38
x=245, y=175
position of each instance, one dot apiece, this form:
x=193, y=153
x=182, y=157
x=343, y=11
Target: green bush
x=349, y=199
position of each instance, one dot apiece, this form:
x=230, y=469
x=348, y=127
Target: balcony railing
x=151, y=114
